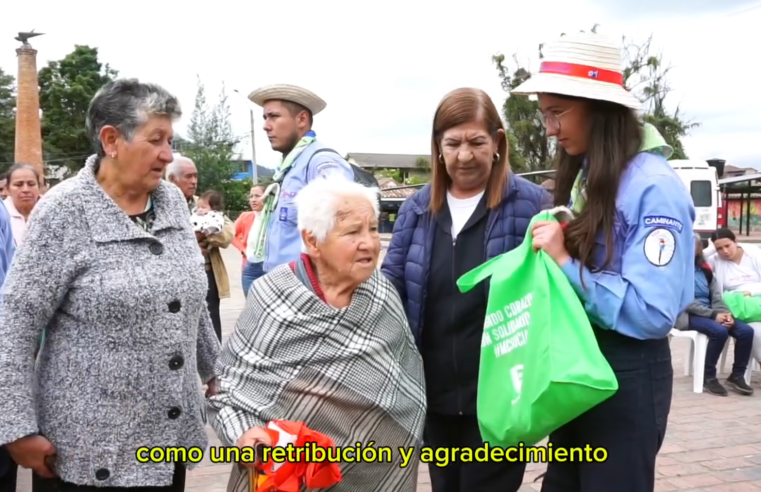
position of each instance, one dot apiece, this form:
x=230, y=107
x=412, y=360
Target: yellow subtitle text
x=369, y=453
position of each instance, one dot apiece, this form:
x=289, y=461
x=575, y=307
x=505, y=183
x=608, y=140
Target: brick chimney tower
x=28, y=126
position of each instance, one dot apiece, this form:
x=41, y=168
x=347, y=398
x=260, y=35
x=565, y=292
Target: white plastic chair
x=694, y=364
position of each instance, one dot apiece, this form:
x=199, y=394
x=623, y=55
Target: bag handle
x=482, y=272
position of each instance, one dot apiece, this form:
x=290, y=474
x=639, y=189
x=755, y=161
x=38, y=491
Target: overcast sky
x=383, y=71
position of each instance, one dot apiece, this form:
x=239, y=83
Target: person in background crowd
x=3, y=186
x=710, y=316
x=21, y=192
x=219, y=282
x=628, y=252
x=288, y=117
x=208, y=217
x=736, y=268
x=183, y=173
x=8, y=467
x=324, y=340
x=24, y=193
x=253, y=266
x=473, y=210
x=111, y=267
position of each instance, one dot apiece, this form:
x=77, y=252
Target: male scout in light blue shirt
x=288, y=116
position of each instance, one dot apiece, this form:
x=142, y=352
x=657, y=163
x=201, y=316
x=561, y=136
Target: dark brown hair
x=18, y=167
x=615, y=137
x=723, y=233
x=459, y=107
x=214, y=199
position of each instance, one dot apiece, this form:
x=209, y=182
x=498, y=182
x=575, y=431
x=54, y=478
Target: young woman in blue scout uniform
x=628, y=253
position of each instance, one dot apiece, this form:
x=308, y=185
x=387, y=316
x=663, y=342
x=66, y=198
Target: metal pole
x=254, y=170
x=254, y=167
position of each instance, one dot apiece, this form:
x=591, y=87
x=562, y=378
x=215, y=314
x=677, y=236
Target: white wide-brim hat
x=581, y=65
x=287, y=92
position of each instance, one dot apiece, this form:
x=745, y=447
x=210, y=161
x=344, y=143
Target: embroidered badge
x=660, y=246
x=661, y=221
x=283, y=214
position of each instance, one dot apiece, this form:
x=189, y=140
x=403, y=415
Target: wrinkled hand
x=548, y=236
x=212, y=388
x=252, y=437
x=35, y=453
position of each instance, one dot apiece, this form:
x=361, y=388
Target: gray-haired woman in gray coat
x=110, y=268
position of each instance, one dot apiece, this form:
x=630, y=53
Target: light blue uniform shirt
x=7, y=245
x=283, y=237
x=651, y=277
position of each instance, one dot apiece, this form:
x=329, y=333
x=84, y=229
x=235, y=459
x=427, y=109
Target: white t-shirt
x=461, y=209
x=741, y=277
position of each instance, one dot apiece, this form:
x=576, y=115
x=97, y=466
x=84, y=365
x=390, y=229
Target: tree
x=66, y=88
x=529, y=148
x=7, y=120
x=645, y=75
x=210, y=143
x=648, y=75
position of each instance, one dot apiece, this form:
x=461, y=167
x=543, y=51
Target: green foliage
x=66, y=88
x=395, y=174
x=423, y=163
x=645, y=75
x=7, y=120
x=209, y=144
x=418, y=179
x=529, y=148
x=236, y=197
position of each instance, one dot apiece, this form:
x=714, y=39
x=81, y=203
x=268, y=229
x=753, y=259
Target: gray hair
x=127, y=104
x=174, y=167
x=317, y=203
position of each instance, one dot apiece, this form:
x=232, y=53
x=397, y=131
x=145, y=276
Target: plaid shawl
x=353, y=374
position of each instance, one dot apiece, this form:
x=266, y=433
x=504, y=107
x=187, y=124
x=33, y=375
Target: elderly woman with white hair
x=325, y=341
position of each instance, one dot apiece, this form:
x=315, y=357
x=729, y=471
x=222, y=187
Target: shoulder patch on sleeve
x=660, y=246
x=663, y=222
x=327, y=166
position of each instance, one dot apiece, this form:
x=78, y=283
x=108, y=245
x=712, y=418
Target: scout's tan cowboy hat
x=286, y=92
x=582, y=65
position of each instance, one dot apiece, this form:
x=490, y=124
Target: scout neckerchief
x=273, y=191
x=652, y=142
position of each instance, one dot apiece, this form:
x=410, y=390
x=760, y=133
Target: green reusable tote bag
x=746, y=309
x=540, y=363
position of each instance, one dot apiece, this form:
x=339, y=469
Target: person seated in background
x=710, y=316
x=736, y=268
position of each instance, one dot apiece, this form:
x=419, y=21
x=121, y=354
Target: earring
x=113, y=155
x=496, y=157
x=441, y=158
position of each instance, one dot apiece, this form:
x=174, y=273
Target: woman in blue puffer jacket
x=474, y=209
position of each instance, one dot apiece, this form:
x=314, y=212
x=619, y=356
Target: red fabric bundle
x=289, y=477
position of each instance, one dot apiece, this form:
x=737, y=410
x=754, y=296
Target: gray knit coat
x=128, y=333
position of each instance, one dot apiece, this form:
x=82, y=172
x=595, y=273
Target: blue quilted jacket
x=408, y=257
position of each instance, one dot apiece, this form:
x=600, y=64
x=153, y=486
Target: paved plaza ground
x=713, y=443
